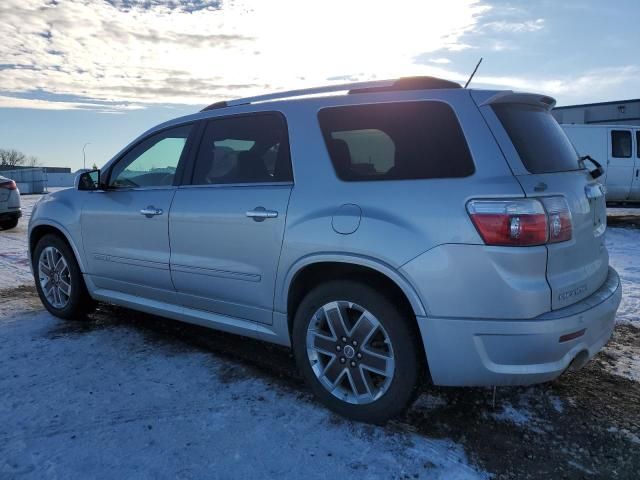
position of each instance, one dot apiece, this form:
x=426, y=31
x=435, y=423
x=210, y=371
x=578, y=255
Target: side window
x=153, y=162
x=395, y=141
x=621, y=143
x=244, y=149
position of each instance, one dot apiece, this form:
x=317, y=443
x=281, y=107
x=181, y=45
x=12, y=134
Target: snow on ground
x=624, y=255
x=518, y=415
x=14, y=264
x=128, y=406
x=626, y=360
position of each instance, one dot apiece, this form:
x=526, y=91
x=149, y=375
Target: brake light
x=560, y=224
x=518, y=222
x=10, y=185
x=522, y=222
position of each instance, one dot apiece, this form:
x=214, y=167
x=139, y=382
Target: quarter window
x=244, y=149
x=621, y=143
x=395, y=141
x=153, y=162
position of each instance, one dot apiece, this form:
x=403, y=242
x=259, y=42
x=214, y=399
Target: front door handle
x=151, y=211
x=259, y=214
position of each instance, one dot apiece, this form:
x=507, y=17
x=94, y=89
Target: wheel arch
x=36, y=232
x=311, y=271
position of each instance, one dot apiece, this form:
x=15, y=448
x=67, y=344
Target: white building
x=621, y=112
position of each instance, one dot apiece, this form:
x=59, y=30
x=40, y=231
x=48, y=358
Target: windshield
x=540, y=141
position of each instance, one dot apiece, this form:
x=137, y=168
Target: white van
x=616, y=148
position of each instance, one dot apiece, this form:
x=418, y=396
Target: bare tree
x=11, y=157
x=33, y=161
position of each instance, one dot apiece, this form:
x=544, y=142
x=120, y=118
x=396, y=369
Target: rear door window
x=395, y=141
x=620, y=143
x=244, y=149
x=539, y=140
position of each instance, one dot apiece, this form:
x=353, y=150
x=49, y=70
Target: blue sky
x=76, y=71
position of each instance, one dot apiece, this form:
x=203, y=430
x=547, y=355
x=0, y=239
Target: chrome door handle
x=151, y=211
x=259, y=214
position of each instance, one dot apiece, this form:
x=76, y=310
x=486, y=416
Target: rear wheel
x=357, y=351
x=9, y=224
x=58, y=279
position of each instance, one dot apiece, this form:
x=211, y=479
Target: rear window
x=540, y=141
x=395, y=141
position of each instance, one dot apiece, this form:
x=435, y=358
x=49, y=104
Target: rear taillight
x=518, y=222
x=560, y=228
x=521, y=222
x=10, y=185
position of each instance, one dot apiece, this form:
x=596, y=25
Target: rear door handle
x=259, y=214
x=151, y=211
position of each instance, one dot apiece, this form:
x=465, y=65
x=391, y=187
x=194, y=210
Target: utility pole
x=84, y=157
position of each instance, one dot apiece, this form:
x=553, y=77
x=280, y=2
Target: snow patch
x=625, y=433
x=624, y=255
x=518, y=415
x=429, y=402
x=123, y=403
x=626, y=361
x=556, y=403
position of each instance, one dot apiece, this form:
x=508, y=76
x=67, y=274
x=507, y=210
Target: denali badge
x=572, y=293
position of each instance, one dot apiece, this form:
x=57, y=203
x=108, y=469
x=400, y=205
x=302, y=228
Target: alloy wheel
x=350, y=352
x=55, y=277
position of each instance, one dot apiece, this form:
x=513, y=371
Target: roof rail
x=406, y=83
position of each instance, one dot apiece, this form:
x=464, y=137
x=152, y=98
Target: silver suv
x=400, y=231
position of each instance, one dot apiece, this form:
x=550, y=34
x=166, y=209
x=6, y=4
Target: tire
x=9, y=224
x=72, y=303
x=361, y=394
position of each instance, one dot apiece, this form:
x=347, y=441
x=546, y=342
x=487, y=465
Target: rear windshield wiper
x=596, y=172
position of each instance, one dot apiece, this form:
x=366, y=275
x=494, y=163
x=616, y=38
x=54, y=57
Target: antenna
x=473, y=73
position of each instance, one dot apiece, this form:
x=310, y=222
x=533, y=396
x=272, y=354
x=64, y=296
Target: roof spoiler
x=533, y=99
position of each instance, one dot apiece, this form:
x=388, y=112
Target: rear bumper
x=12, y=214
x=470, y=352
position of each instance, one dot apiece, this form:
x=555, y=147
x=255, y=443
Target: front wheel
x=58, y=279
x=357, y=351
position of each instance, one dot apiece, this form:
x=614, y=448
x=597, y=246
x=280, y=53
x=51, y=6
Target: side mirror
x=88, y=180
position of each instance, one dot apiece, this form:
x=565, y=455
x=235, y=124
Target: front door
x=125, y=228
x=226, y=228
x=620, y=164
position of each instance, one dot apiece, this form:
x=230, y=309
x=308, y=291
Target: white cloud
x=503, y=26
x=441, y=61
x=150, y=52
x=594, y=85
x=39, y=104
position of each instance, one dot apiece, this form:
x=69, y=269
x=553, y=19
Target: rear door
x=546, y=164
x=226, y=227
x=620, y=163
